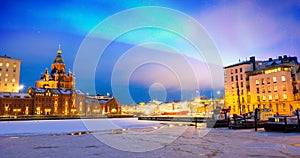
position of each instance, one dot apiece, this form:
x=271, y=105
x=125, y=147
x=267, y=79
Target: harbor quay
x=86, y=138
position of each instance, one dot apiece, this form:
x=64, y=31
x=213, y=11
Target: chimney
x=280, y=57
x=285, y=57
x=270, y=59
x=252, y=60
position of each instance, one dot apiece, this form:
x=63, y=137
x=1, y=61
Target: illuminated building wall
x=15, y=103
x=273, y=89
x=272, y=84
x=50, y=101
x=237, y=86
x=108, y=105
x=9, y=74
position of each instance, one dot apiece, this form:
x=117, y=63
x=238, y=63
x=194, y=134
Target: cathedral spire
x=58, y=58
x=59, y=51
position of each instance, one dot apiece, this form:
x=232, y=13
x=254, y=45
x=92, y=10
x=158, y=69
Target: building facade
x=9, y=74
x=55, y=92
x=57, y=101
x=15, y=104
x=108, y=105
x=272, y=84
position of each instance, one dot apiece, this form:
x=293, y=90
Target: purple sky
x=31, y=31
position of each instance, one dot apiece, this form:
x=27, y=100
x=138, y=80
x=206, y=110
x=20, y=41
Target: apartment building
x=9, y=74
x=272, y=84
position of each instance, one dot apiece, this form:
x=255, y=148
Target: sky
x=147, y=62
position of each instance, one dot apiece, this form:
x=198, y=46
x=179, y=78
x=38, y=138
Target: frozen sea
x=40, y=127
x=127, y=138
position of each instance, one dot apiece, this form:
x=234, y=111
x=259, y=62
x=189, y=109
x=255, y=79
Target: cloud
x=244, y=29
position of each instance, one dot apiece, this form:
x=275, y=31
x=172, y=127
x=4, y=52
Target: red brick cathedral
x=57, y=77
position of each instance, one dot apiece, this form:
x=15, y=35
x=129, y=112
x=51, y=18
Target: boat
x=283, y=123
x=247, y=121
x=175, y=112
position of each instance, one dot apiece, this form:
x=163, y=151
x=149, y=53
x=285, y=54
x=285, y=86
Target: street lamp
x=219, y=92
x=20, y=88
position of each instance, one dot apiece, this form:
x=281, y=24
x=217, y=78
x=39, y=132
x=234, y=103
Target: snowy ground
x=39, y=127
x=50, y=139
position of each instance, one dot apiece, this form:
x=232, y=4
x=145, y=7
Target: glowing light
x=21, y=87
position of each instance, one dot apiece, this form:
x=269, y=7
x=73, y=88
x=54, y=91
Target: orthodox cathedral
x=57, y=77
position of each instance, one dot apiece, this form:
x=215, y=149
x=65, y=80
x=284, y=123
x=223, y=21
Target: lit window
x=257, y=82
x=263, y=97
x=282, y=78
x=269, y=88
x=5, y=79
x=232, y=86
x=274, y=79
x=284, y=87
x=276, y=96
x=268, y=80
x=7, y=64
x=284, y=96
x=262, y=81
x=263, y=90
x=0, y=74
x=275, y=88
x=13, y=80
x=1, y=64
x=231, y=71
x=6, y=75
x=14, y=65
x=270, y=97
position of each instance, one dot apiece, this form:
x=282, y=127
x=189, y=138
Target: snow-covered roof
x=39, y=90
x=65, y=91
x=79, y=92
x=14, y=95
x=55, y=91
x=104, y=101
x=4, y=94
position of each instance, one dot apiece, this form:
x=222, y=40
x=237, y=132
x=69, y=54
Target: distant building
x=109, y=105
x=92, y=107
x=50, y=101
x=272, y=84
x=9, y=74
x=15, y=104
x=55, y=92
